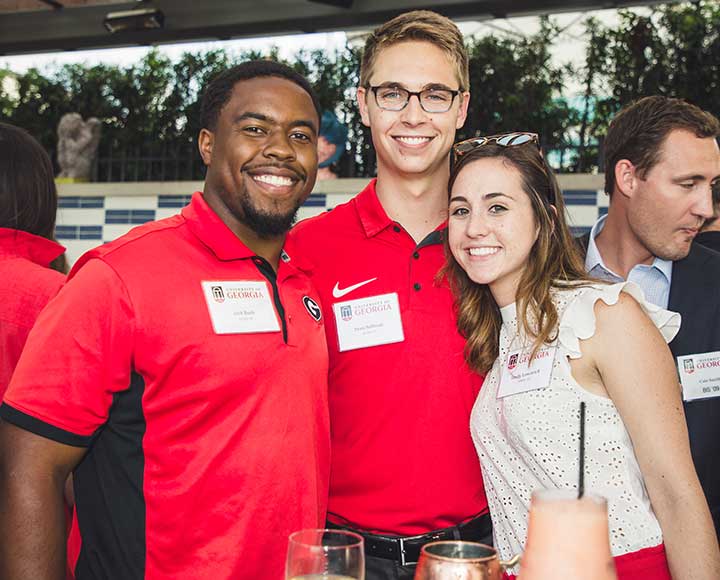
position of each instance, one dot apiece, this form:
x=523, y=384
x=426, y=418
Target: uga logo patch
x=218, y=294
x=689, y=366
x=312, y=307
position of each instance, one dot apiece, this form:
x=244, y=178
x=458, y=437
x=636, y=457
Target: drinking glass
x=325, y=555
x=568, y=537
x=458, y=560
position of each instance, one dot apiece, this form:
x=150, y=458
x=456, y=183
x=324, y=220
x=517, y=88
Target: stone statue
x=77, y=144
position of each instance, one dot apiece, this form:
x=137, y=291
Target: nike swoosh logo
x=338, y=293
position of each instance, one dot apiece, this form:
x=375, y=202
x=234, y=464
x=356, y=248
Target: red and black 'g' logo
x=313, y=308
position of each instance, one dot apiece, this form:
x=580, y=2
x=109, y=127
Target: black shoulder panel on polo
x=34, y=425
x=109, y=494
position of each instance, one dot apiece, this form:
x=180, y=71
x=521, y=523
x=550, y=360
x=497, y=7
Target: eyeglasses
x=391, y=98
x=503, y=139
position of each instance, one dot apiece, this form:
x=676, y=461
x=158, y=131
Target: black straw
x=581, y=477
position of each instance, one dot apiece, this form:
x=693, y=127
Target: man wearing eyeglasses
x=662, y=165
x=404, y=471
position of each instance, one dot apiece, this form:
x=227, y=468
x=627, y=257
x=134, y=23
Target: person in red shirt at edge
x=31, y=262
x=404, y=471
x=181, y=372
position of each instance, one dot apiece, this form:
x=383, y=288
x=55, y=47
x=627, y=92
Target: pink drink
x=567, y=538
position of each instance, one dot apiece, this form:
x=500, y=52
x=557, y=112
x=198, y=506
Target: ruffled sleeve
x=578, y=321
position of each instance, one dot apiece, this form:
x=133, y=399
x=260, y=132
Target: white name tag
x=368, y=321
x=519, y=375
x=700, y=375
x=242, y=306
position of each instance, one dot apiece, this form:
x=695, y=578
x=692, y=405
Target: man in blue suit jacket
x=662, y=163
x=710, y=234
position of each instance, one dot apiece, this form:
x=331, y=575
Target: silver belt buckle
x=403, y=561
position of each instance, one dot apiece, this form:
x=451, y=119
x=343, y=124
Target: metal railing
x=161, y=162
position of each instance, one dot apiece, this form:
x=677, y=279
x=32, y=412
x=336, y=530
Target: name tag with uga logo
x=238, y=307
x=368, y=321
x=519, y=375
x=700, y=375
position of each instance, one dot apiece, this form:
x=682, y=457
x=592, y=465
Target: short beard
x=267, y=225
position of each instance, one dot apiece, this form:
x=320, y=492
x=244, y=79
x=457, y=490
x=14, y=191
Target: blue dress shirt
x=654, y=279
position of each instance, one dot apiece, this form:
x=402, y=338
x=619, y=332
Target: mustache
x=301, y=176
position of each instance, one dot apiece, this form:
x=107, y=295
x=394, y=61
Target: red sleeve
x=24, y=292
x=78, y=355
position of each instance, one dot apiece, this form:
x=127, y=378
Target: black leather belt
x=406, y=549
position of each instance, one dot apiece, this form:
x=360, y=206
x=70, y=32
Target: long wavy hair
x=554, y=262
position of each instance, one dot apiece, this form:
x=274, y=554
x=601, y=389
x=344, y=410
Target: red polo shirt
x=403, y=459
x=27, y=285
x=206, y=449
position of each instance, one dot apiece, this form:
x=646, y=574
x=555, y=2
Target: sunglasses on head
x=503, y=139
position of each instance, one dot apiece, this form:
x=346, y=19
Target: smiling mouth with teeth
x=413, y=140
x=483, y=251
x=276, y=180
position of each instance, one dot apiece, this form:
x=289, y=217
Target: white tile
x=113, y=231
x=603, y=200
x=334, y=199
x=70, y=216
x=76, y=248
x=164, y=212
x=131, y=202
x=581, y=215
x=306, y=212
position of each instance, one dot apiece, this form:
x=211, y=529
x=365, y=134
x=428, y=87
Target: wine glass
x=325, y=555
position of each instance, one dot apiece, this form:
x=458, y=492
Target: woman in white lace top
x=522, y=294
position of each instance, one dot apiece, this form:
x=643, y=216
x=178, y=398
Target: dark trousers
x=382, y=569
x=389, y=569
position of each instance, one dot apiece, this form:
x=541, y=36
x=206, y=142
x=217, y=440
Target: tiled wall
x=86, y=220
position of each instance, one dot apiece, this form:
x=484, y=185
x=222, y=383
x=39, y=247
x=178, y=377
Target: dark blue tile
x=70, y=201
x=117, y=216
x=580, y=196
x=66, y=232
x=318, y=200
x=579, y=230
x=140, y=216
x=92, y=202
x=173, y=200
x=90, y=233
x=579, y=201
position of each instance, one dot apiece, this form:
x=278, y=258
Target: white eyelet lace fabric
x=530, y=440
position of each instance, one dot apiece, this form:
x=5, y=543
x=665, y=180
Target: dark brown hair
x=638, y=131
x=422, y=26
x=554, y=262
x=28, y=196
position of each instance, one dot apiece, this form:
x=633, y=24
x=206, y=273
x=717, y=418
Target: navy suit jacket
x=709, y=239
x=695, y=295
